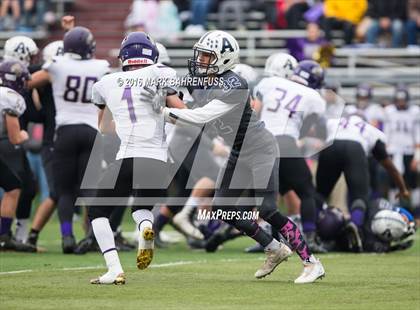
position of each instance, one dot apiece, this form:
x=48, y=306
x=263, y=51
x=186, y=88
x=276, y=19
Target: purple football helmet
x=364, y=90
x=330, y=222
x=80, y=41
x=14, y=74
x=401, y=97
x=138, y=48
x=309, y=73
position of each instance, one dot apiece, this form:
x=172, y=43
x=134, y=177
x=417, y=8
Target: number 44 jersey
x=140, y=129
x=72, y=80
x=286, y=104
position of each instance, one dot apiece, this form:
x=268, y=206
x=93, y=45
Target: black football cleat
x=314, y=244
x=68, y=244
x=85, y=245
x=353, y=237
x=122, y=244
x=8, y=243
x=256, y=248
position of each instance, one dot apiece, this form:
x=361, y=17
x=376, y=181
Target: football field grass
x=183, y=279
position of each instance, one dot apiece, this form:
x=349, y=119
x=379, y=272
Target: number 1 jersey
x=140, y=129
x=72, y=80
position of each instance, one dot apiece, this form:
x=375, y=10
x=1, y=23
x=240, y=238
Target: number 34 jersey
x=286, y=104
x=72, y=80
x=140, y=129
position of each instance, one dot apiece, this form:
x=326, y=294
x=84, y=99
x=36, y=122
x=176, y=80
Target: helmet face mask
x=197, y=67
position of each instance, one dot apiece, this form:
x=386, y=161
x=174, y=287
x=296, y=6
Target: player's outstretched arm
x=212, y=110
x=39, y=79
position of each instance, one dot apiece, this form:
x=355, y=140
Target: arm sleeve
x=15, y=104
x=214, y=109
x=97, y=97
x=379, y=151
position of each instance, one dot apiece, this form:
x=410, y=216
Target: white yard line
x=163, y=265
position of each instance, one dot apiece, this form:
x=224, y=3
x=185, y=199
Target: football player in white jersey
x=353, y=139
x=402, y=128
x=13, y=77
x=72, y=76
x=365, y=106
x=24, y=49
x=140, y=169
x=287, y=107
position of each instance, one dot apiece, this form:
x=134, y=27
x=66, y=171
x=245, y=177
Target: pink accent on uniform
x=293, y=235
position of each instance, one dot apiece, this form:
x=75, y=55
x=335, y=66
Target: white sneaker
x=311, y=272
x=146, y=246
x=182, y=222
x=274, y=258
x=109, y=278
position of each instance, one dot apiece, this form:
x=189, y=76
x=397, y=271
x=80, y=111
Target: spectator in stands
x=4, y=9
x=413, y=22
x=343, y=15
x=306, y=48
x=294, y=11
x=158, y=18
x=199, y=10
x=236, y=9
x=388, y=16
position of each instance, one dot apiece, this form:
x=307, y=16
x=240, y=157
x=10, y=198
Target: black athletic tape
x=109, y=250
x=146, y=220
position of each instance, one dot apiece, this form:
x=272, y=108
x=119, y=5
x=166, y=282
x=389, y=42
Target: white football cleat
x=274, y=258
x=312, y=271
x=146, y=246
x=182, y=222
x=109, y=278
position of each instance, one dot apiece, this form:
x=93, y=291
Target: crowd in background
x=25, y=15
x=392, y=23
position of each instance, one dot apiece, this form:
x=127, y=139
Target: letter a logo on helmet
x=226, y=45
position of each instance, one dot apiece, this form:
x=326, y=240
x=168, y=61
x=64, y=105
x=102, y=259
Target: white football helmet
x=224, y=50
x=246, y=72
x=389, y=225
x=52, y=49
x=280, y=64
x=163, y=54
x=20, y=48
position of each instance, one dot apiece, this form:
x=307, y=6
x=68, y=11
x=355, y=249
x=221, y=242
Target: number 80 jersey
x=72, y=80
x=286, y=104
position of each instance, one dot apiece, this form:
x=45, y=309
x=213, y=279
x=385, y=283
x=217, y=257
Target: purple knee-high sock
x=66, y=229
x=292, y=234
x=358, y=216
x=5, y=225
